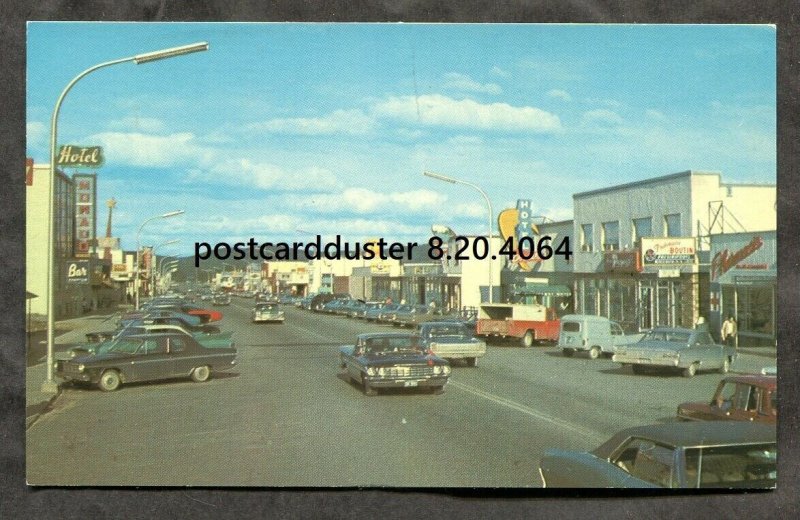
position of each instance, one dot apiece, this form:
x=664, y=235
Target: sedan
x=672, y=455
x=266, y=312
x=684, y=350
x=391, y=360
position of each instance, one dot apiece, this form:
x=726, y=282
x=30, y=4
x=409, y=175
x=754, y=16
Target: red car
x=738, y=398
x=206, y=315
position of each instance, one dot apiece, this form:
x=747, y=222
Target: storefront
x=743, y=275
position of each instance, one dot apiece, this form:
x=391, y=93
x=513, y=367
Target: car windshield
x=442, y=331
x=667, y=335
x=265, y=307
x=125, y=346
x=390, y=345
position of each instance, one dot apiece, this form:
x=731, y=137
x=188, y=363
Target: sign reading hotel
x=72, y=156
x=668, y=251
x=85, y=212
x=516, y=224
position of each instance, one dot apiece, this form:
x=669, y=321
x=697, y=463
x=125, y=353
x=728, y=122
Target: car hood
x=403, y=359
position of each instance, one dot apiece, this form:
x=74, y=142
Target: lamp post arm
x=489, y=236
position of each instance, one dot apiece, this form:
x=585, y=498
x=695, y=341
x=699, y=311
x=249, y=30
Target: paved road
x=287, y=417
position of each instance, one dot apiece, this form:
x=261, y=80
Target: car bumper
x=385, y=382
x=263, y=320
x=654, y=361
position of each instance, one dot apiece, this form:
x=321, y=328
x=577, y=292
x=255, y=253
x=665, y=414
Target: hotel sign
x=72, y=156
x=668, y=251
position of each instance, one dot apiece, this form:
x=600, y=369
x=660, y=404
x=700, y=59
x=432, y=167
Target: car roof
x=675, y=329
x=693, y=435
x=755, y=379
x=372, y=335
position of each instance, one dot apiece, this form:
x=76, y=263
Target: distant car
x=595, y=335
x=672, y=455
x=221, y=299
x=265, y=312
x=147, y=357
x=451, y=340
x=684, y=350
x=738, y=398
x=387, y=360
x=371, y=311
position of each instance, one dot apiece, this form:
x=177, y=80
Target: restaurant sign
x=668, y=251
x=72, y=156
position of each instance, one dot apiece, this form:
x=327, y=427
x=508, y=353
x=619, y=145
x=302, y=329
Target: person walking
x=728, y=332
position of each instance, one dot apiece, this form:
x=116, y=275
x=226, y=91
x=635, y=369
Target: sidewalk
x=38, y=402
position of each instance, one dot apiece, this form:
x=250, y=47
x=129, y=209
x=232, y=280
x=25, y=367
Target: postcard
x=397, y=255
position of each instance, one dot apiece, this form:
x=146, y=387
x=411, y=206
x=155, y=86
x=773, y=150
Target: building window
x=672, y=225
x=587, y=237
x=642, y=228
x=611, y=236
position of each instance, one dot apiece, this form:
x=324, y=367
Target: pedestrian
x=728, y=332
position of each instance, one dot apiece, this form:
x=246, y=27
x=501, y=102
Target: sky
x=279, y=131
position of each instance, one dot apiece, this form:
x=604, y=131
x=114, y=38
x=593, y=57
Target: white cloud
x=353, y=122
x=464, y=83
x=363, y=200
x=440, y=110
x=559, y=94
x=137, y=149
x=655, y=115
x=267, y=176
x=497, y=71
x=35, y=134
x=137, y=124
x=601, y=117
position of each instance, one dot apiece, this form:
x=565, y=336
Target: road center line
x=589, y=434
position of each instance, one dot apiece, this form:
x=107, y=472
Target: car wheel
x=368, y=390
x=109, y=381
x=594, y=352
x=690, y=371
x=472, y=361
x=527, y=339
x=201, y=374
x=726, y=366
x=568, y=352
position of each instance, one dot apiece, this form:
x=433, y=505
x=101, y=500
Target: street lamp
x=154, y=269
x=49, y=385
x=138, y=258
x=491, y=219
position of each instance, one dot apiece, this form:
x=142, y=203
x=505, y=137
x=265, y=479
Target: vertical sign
x=85, y=213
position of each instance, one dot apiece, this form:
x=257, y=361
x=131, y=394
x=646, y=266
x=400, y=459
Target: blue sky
x=328, y=127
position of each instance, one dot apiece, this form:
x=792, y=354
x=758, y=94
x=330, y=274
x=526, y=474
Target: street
x=286, y=416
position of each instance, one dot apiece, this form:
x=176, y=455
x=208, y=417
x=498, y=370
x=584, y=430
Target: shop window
x=642, y=227
x=672, y=225
x=611, y=236
x=587, y=237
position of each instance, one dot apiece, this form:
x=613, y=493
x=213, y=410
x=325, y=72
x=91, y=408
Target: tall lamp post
x=49, y=385
x=154, y=268
x=138, y=258
x=491, y=220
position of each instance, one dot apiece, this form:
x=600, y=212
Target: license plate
x=410, y=383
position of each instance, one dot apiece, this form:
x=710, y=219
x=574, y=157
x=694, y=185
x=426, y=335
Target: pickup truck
x=529, y=323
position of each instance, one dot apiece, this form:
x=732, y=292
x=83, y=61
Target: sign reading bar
x=668, y=251
x=76, y=156
x=77, y=271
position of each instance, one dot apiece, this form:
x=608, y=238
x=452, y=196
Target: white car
x=265, y=312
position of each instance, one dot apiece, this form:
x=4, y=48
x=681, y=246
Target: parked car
x=394, y=317
x=686, y=350
x=385, y=360
x=451, y=340
x=593, y=334
x=371, y=311
x=738, y=398
x=147, y=357
x=264, y=312
x=384, y=315
x=671, y=455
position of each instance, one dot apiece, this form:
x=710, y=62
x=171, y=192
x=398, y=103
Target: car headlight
x=381, y=371
x=446, y=369
x=81, y=367
x=437, y=370
x=371, y=371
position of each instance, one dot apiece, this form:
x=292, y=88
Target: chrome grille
x=409, y=371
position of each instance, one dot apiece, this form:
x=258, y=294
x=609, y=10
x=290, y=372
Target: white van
x=593, y=334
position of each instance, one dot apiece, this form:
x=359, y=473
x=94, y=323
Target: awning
x=544, y=290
